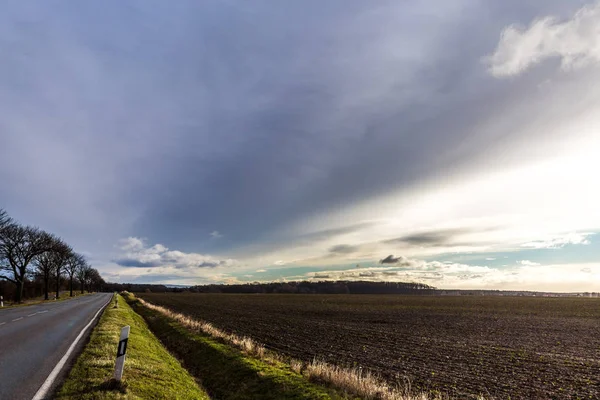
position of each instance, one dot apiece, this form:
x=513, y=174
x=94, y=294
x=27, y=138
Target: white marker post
x=1, y=301
x=121, y=350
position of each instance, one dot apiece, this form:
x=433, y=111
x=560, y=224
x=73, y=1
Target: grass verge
x=227, y=372
x=33, y=302
x=150, y=371
x=192, y=339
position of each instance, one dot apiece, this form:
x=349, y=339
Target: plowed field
x=502, y=347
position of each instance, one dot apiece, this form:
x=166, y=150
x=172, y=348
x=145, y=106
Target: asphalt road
x=33, y=339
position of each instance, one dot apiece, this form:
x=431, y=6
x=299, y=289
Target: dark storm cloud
x=174, y=121
x=390, y=260
x=209, y=264
x=332, y=233
x=401, y=261
x=343, y=249
x=131, y=262
x=438, y=238
x=321, y=123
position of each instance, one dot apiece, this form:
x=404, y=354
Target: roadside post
x=1, y=301
x=121, y=350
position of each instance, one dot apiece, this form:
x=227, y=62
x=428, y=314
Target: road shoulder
x=150, y=370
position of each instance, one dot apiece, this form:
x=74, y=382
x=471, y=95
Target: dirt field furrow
x=504, y=347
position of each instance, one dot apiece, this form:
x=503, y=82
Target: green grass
x=225, y=372
x=40, y=300
x=150, y=372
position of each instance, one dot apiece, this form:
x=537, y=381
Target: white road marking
x=2, y=323
x=41, y=312
x=17, y=319
x=31, y=315
x=45, y=388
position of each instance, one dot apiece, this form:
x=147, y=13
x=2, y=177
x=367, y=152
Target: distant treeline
x=331, y=287
x=324, y=287
x=303, y=287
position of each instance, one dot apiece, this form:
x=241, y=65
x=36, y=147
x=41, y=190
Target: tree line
x=320, y=287
x=28, y=253
x=301, y=287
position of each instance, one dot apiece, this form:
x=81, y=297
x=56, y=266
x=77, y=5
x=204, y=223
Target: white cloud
x=216, y=235
x=529, y=263
x=131, y=244
x=526, y=276
x=490, y=259
x=575, y=41
x=135, y=253
x=261, y=270
x=558, y=242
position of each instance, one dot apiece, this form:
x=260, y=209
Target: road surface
x=33, y=339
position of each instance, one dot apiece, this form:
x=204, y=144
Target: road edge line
x=43, y=390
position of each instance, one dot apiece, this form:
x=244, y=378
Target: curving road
x=33, y=339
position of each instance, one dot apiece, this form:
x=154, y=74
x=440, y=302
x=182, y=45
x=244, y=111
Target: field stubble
x=517, y=347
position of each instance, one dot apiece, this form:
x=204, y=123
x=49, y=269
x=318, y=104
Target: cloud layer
x=558, y=242
x=135, y=253
x=252, y=137
x=525, y=275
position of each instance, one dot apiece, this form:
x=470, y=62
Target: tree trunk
x=71, y=286
x=46, y=286
x=57, y=286
x=19, y=293
x=82, y=289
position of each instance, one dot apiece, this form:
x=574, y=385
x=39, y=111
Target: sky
x=192, y=142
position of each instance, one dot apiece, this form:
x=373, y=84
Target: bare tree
x=18, y=247
x=94, y=280
x=5, y=221
x=44, y=268
x=74, y=263
x=83, y=273
x=48, y=261
x=60, y=264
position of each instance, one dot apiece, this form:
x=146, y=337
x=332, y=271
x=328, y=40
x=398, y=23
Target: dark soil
x=501, y=347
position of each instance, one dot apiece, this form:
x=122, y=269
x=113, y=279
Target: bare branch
x=5, y=219
x=7, y=278
x=19, y=245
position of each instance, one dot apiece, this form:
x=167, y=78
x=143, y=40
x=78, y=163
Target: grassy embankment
x=150, y=371
x=233, y=367
x=40, y=300
x=227, y=372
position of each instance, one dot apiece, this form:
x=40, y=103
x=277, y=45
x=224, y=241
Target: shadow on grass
x=110, y=386
x=113, y=385
x=225, y=372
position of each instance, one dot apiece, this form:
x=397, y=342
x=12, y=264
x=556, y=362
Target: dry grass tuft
x=360, y=382
x=353, y=381
x=296, y=366
x=246, y=344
